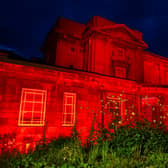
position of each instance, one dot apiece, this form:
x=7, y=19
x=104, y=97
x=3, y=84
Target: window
x=120, y=52
x=115, y=109
x=120, y=72
x=150, y=109
x=32, y=107
x=164, y=77
x=151, y=72
x=69, y=109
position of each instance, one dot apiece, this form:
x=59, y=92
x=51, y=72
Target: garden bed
x=140, y=146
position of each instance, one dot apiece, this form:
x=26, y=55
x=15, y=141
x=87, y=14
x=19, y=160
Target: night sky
x=24, y=24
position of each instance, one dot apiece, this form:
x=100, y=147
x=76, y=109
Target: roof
x=60, y=68
x=148, y=53
x=11, y=54
x=70, y=27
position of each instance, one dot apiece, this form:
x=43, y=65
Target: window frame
x=151, y=102
x=121, y=68
x=24, y=93
x=120, y=107
x=119, y=51
x=73, y=106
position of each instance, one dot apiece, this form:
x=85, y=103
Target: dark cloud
x=24, y=24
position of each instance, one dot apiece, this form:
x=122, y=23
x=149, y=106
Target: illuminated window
x=120, y=72
x=115, y=109
x=150, y=109
x=32, y=107
x=69, y=109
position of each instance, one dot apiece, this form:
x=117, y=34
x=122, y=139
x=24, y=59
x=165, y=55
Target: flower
x=153, y=108
x=154, y=121
x=133, y=113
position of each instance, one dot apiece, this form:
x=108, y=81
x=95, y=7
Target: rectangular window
x=32, y=107
x=120, y=52
x=115, y=109
x=120, y=72
x=69, y=109
x=151, y=72
x=151, y=110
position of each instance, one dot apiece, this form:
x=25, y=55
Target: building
x=91, y=72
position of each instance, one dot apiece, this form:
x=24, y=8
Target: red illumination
x=100, y=72
x=120, y=53
x=120, y=72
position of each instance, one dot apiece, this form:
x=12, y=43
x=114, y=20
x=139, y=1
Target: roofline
x=64, y=69
x=156, y=55
x=10, y=53
x=59, y=68
x=61, y=17
x=148, y=85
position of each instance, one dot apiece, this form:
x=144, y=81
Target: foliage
x=140, y=144
x=7, y=142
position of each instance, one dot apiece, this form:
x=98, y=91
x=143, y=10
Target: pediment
x=122, y=32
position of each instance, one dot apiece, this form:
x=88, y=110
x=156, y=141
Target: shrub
x=127, y=145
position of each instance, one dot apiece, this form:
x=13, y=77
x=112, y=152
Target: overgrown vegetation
x=141, y=145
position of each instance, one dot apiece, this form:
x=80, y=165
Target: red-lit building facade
x=90, y=71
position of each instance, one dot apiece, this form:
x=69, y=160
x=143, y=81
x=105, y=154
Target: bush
x=140, y=146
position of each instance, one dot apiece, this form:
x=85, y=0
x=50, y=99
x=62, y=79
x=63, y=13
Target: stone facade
x=91, y=72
